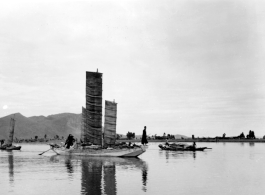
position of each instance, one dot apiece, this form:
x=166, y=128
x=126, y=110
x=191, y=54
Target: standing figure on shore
x=144, y=139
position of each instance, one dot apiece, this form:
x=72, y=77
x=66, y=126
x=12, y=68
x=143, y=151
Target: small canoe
x=175, y=147
x=10, y=148
x=13, y=148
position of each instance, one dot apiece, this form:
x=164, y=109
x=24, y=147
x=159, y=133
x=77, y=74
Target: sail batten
x=110, y=123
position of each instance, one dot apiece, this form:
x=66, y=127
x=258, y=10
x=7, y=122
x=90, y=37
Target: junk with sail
x=110, y=123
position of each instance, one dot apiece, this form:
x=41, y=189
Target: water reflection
x=177, y=154
x=194, y=155
x=251, y=144
x=69, y=167
x=98, y=174
x=167, y=155
x=144, y=178
x=109, y=176
x=11, y=167
x=91, y=177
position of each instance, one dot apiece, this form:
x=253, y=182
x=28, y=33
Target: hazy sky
x=180, y=67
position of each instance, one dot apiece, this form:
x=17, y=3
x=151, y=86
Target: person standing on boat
x=194, y=145
x=167, y=144
x=144, y=139
x=69, y=142
x=2, y=142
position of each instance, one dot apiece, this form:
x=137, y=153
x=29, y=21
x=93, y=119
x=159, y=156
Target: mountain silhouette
x=58, y=124
x=28, y=127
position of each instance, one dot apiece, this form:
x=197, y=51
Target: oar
x=44, y=151
x=55, y=151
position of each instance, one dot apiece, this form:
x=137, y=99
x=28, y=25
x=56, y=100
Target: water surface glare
x=229, y=168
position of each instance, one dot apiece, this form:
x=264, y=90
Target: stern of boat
x=135, y=153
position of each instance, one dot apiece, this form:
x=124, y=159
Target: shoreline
x=164, y=140
x=199, y=140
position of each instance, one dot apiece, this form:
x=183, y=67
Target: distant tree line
x=251, y=135
x=130, y=135
x=38, y=139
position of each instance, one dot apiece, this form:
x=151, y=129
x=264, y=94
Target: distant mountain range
x=29, y=127
x=58, y=124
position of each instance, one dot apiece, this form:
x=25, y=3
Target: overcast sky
x=180, y=67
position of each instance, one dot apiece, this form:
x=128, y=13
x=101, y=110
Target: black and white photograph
x=132, y=97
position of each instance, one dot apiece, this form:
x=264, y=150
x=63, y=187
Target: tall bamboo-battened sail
x=11, y=131
x=92, y=114
x=110, y=122
x=8, y=145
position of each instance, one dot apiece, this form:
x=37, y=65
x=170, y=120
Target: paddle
x=44, y=151
x=55, y=151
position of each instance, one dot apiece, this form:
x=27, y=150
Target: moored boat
x=181, y=147
x=8, y=145
x=13, y=148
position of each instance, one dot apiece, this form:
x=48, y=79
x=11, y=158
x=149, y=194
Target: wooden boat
x=13, y=148
x=8, y=145
x=134, y=152
x=91, y=126
x=181, y=147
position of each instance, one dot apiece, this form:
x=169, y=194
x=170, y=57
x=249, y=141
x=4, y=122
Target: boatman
x=2, y=142
x=69, y=141
x=194, y=145
x=167, y=144
x=144, y=139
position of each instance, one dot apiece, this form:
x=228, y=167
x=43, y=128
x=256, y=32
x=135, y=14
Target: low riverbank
x=199, y=140
x=162, y=140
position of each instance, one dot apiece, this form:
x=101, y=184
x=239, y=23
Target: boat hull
x=101, y=152
x=181, y=149
x=11, y=148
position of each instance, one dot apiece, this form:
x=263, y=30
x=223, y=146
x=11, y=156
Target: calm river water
x=229, y=168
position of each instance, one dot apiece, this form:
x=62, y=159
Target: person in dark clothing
x=144, y=139
x=69, y=141
x=194, y=144
x=167, y=144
